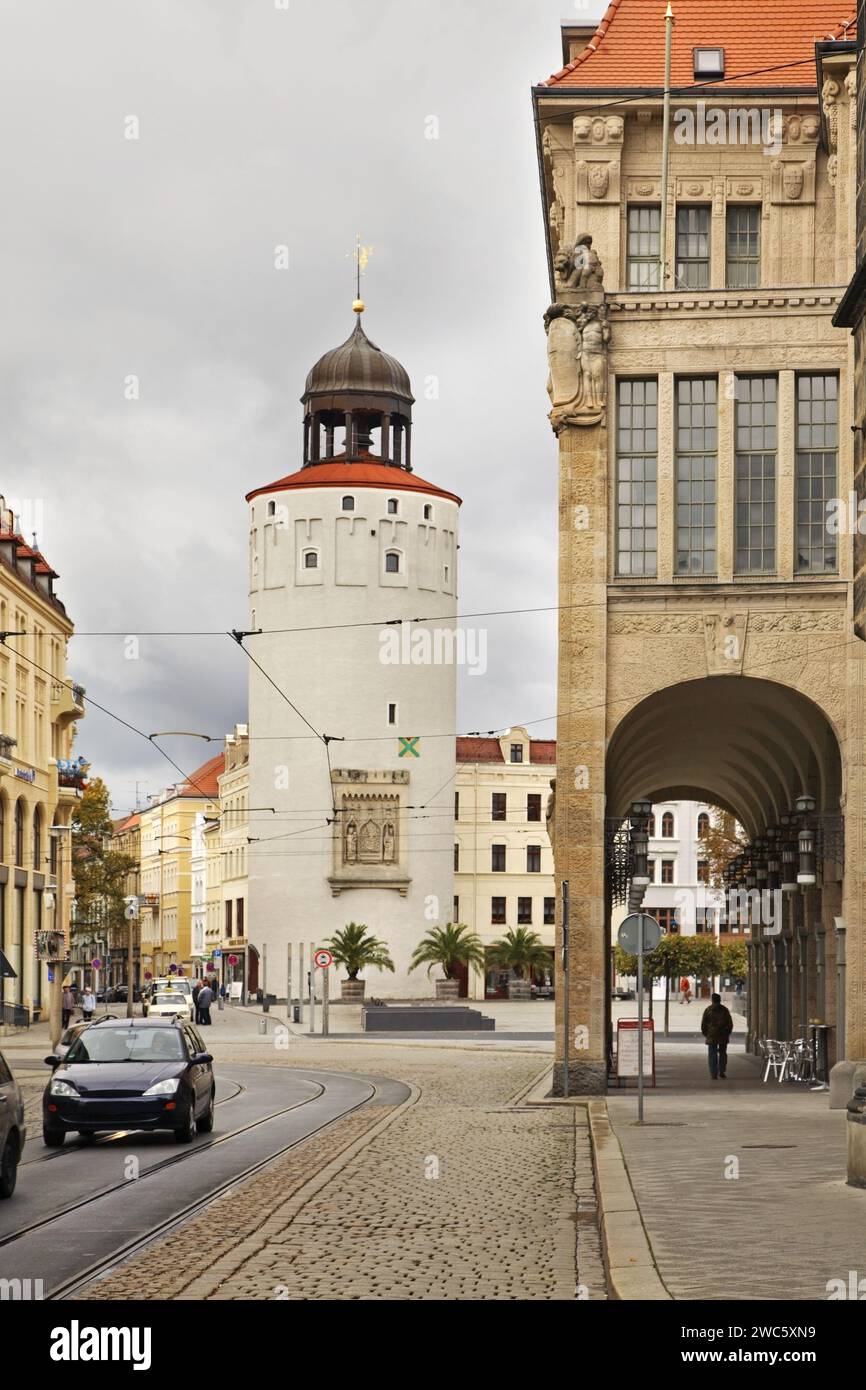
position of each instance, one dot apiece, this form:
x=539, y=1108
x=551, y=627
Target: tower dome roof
x=358, y=366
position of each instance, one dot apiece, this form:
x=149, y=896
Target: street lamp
x=638, y=822
x=805, y=808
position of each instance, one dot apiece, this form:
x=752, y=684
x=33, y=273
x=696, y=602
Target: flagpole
x=666, y=126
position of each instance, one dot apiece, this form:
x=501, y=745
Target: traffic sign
x=323, y=958
x=148, y=974
x=628, y=936
x=233, y=960
x=216, y=954
x=96, y=963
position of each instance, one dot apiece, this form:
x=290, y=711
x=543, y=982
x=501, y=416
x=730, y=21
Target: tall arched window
x=37, y=841
x=19, y=834
x=703, y=824
x=667, y=826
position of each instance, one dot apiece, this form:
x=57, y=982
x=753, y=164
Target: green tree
x=450, y=946
x=520, y=950
x=355, y=947
x=703, y=956
x=669, y=961
x=735, y=960
x=99, y=870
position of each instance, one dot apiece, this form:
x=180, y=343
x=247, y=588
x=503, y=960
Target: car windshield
x=127, y=1045
x=175, y=998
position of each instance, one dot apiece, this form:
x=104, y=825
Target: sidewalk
x=741, y=1186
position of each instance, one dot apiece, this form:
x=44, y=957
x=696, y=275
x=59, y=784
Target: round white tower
x=353, y=594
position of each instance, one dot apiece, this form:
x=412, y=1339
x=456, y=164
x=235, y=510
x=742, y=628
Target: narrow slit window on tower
x=428, y=512
x=272, y=508
x=392, y=714
x=348, y=504
x=393, y=506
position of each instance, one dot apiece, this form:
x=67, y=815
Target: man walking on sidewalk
x=717, y=1026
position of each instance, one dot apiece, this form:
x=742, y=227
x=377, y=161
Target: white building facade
x=352, y=703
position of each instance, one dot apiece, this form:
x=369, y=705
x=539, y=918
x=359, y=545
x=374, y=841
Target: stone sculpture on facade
x=578, y=267
x=577, y=338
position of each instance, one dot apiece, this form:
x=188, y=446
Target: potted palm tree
x=522, y=952
x=449, y=947
x=355, y=947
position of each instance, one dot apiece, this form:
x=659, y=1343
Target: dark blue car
x=137, y=1073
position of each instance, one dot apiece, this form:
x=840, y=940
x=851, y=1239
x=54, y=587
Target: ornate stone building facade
x=701, y=400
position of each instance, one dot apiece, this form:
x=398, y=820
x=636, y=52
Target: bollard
x=263, y=1025
x=856, y=1128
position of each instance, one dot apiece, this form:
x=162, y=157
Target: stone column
x=577, y=342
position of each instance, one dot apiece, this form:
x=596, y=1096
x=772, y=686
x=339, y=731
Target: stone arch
x=745, y=743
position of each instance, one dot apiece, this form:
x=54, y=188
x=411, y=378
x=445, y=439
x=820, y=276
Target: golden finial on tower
x=361, y=256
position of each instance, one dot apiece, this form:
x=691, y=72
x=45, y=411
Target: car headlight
x=163, y=1088
x=62, y=1088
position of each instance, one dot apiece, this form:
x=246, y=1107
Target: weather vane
x=361, y=256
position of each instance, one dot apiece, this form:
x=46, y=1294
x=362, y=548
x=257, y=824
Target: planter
x=448, y=989
x=352, y=991
x=519, y=989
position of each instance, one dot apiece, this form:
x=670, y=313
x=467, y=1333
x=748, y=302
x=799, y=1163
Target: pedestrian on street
x=717, y=1026
x=685, y=991
x=196, y=991
x=88, y=1005
x=205, y=999
x=67, y=1004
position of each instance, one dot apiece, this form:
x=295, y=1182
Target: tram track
x=187, y=1155
x=70, y=1287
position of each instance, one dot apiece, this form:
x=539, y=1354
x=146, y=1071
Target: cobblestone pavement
x=741, y=1186
x=456, y=1195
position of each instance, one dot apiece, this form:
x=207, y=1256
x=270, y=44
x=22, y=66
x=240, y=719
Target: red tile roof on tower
x=471, y=749
x=628, y=47
x=363, y=472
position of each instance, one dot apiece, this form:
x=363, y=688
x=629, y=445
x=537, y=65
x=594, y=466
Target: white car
x=169, y=984
x=166, y=1003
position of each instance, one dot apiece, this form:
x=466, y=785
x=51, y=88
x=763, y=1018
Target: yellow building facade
x=38, y=785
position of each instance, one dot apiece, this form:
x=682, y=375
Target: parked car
x=117, y=994
x=13, y=1130
x=623, y=994
x=133, y=1073
x=68, y=1038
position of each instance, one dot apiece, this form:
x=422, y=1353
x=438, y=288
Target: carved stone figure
x=577, y=339
x=585, y=260
x=598, y=178
x=388, y=843
x=550, y=814
x=593, y=359
x=830, y=102
x=370, y=843
x=351, y=850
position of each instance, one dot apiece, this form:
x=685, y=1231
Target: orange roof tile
x=203, y=782
x=628, y=47
x=365, y=472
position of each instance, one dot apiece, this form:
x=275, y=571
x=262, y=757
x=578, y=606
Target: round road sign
x=628, y=935
x=323, y=959
x=96, y=963
x=233, y=960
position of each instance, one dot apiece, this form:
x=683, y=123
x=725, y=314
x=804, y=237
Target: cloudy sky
x=260, y=126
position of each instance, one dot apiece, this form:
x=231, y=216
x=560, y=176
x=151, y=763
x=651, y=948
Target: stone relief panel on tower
x=368, y=849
